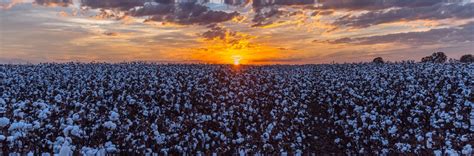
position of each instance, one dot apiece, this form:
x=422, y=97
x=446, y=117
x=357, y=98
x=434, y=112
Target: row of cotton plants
x=367, y=108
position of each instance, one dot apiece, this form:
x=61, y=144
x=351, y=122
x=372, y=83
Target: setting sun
x=237, y=60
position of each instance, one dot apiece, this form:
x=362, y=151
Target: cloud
x=434, y=12
x=62, y=3
x=10, y=4
x=153, y=9
x=323, y=13
x=191, y=13
x=217, y=32
x=227, y=38
x=264, y=3
x=112, y=4
x=378, y=4
x=459, y=34
x=278, y=60
x=264, y=17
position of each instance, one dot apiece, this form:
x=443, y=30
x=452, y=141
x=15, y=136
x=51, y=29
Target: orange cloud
x=13, y=3
x=235, y=45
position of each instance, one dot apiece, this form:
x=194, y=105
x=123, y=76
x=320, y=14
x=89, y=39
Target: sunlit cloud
x=255, y=32
x=9, y=4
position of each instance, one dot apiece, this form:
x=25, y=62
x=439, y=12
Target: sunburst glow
x=237, y=60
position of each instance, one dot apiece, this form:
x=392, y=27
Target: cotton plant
x=150, y=108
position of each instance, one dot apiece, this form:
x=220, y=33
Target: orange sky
x=79, y=30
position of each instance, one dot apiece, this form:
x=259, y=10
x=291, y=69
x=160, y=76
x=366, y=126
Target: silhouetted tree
x=468, y=58
x=427, y=59
x=438, y=57
x=378, y=60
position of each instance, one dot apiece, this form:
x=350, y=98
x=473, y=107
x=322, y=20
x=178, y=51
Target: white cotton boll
x=110, y=125
x=110, y=147
x=448, y=144
x=2, y=102
x=159, y=138
x=2, y=137
x=451, y=152
x=419, y=138
x=442, y=105
x=438, y=153
x=114, y=116
x=58, y=98
x=100, y=152
x=279, y=136
x=299, y=139
x=76, y=117
x=466, y=150
x=239, y=140
x=90, y=151
x=177, y=107
x=65, y=149
x=403, y=147
x=463, y=138
x=43, y=114
x=4, y=121
x=429, y=143
x=385, y=142
x=19, y=126
x=265, y=136
x=392, y=130
x=242, y=152
x=298, y=152
x=223, y=138
x=75, y=131
x=468, y=103
x=45, y=154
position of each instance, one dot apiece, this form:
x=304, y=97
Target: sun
x=236, y=60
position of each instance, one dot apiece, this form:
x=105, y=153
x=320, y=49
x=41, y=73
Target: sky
x=228, y=31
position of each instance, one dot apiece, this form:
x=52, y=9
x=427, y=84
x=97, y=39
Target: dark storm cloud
x=189, y=13
x=264, y=16
x=264, y=3
x=433, y=36
x=165, y=11
x=112, y=4
x=378, y=4
x=159, y=9
x=434, y=12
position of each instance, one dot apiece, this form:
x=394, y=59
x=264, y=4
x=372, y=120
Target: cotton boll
x=65, y=149
x=110, y=147
x=114, y=116
x=2, y=102
x=419, y=138
x=467, y=150
x=110, y=125
x=392, y=130
x=464, y=138
x=58, y=98
x=4, y=122
x=299, y=139
x=451, y=152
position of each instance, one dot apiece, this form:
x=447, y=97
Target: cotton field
x=142, y=108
